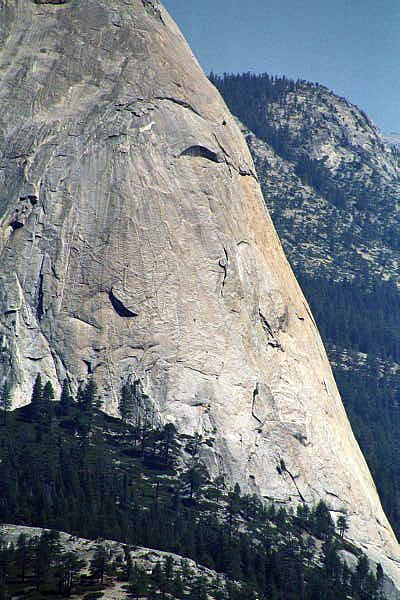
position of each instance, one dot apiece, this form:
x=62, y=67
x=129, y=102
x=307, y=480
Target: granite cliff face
x=338, y=222
x=135, y=244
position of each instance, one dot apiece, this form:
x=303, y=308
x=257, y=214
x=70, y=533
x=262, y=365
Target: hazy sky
x=351, y=46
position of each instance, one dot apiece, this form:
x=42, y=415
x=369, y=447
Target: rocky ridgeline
x=351, y=233
x=108, y=570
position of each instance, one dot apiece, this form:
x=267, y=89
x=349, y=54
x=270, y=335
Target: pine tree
x=48, y=393
x=233, y=505
x=69, y=566
x=128, y=563
x=5, y=565
x=127, y=402
x=5, y=401
x=169, y=568
x=169, y=435
x=199, y=589
x=186, y=571
x=138, y=583
x=232, y=559
x=178, y=588
x=342, y=525
x=47, y=404
x=88, y=402
x=360, y=577
x=23, y=555
x=157, y=576
x=379, y=576
x=91, y=398
x=98, y=564
x=195, y=477
x=36, y=405
x=66, y=400
x=47, y=551
x=322, y=521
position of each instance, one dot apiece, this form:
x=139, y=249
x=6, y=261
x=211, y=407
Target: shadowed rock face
x=134, y=239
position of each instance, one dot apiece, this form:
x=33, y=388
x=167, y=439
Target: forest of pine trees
x=250, y=97
x=65, y=465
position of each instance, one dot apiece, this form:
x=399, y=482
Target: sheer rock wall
x=134, y=242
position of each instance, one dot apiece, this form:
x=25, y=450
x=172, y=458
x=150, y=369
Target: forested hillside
x=67, y=466
x=331, y=183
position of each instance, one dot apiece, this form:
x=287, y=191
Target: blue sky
x=351, y=46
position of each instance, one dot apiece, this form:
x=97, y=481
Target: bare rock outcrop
x=134, y=242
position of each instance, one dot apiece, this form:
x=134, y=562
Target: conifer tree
x=88, y=402
x=23, y=555
x=137, y=584
x=168, y=572
x=47, y=552
x=195, y=477
x=178, y=587
x=233, y=505
x=90, y=397
x=98, y=564
x=69, y=566
x=5, y=401
x=127, y=402
x=322, y=521
x=65, y=399
x=342, y=525
x=199, y=589
x=169, y=435
x=36, y=405
x=48, y=393
x=5, y=567
x=47, y=412
x=158, y=581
